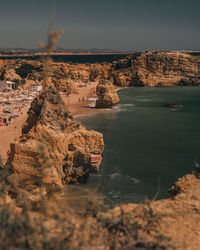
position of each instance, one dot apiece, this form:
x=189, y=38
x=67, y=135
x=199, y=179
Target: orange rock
x=107, y=95
x=54, y=148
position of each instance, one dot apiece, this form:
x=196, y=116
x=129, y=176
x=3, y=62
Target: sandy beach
x=9, y=133
x=76, y=103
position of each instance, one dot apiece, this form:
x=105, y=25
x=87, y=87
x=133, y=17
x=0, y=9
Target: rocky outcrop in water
x=54, y=145
x=157, y=69
x=107, y=95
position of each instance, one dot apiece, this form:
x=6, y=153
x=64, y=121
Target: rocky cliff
x=107, y=95
x=157, y=69
x=139, y=69
x=53, y=145
x=79, y=220
x=171, y=223
x=64, y=75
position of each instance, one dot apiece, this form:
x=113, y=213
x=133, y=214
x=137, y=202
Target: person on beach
x=83, y=99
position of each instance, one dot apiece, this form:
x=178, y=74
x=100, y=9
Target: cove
x=147, y=146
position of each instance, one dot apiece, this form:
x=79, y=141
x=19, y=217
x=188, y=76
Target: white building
x=36, y=88
x=6, y=85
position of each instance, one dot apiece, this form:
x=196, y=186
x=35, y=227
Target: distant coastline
x=63, y=54
x=81, y=58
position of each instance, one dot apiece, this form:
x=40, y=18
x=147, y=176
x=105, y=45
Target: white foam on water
x=145, y=100
x=127, y=105
x=114, y=194
x=118, y=175
x=135, y=180
x=115, y=175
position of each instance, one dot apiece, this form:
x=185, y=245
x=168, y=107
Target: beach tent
x=14, y=113
x=3, y=100
x=91, y=102
x=7, y=110
x=95, y=158
x=29, y=97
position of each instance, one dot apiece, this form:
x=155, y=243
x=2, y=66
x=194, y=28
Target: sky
x=136, y=25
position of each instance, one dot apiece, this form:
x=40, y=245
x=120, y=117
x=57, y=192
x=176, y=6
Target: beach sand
x=9, y=133
x=74, y=103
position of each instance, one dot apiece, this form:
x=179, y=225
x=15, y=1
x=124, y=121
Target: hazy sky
x=116, y=24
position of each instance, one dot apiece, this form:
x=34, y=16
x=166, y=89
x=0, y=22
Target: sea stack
x=107, y=95
x=52, y=141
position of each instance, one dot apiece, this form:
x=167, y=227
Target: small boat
x=172, y=105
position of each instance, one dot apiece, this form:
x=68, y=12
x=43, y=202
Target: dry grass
x=73, y=219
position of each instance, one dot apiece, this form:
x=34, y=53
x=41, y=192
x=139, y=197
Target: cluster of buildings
x=7, y=85
x=12, y=101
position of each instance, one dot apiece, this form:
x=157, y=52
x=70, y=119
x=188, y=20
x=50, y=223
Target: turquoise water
x=147, y=146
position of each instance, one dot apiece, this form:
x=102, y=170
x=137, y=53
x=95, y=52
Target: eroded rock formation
x=107, y=95
x=171, y=223
x=157, y=69
x=139, y=69
x=53, y=145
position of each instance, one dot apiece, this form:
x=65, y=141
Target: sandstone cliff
x=53, y=145
x=157, y=69
x=79, y=221
x=54, y=149
x=139, y=69
x=107, y=95
x=64, y=75
x=171, y=223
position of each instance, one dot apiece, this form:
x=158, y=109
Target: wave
x=127, y=105
x=115, y=175
x=119, y=175
x=123, y=107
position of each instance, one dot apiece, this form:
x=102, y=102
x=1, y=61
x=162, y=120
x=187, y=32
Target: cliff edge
x=157, y=69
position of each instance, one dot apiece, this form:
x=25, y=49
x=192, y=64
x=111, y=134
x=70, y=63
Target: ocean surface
x=147, y=146
x=74, y=58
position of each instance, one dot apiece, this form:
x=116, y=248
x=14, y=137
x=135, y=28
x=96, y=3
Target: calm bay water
x=147, y=143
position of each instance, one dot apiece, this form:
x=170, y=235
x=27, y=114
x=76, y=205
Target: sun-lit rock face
x=54, y=144
x=107, y=95
x=157, y=69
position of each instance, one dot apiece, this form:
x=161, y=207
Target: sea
x=82, y=59
x=148, y=146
